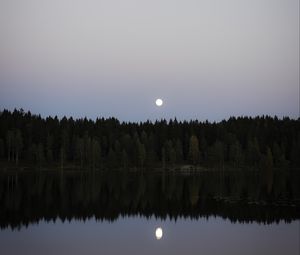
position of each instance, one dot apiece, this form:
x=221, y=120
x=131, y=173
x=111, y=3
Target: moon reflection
x=158, y=233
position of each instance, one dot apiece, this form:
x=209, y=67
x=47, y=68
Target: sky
x=207, y=59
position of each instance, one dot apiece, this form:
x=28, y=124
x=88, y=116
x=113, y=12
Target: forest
x=30, y=140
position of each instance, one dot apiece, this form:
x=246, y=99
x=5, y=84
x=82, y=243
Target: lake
x=231, y=212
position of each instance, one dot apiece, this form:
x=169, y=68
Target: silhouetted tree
x=253, y=152
x=1, y=148
x=268, y=169
x=236, y=153
x=141, y=153
x=18, y=144
x=194, y=152
x=40, y=154
x=96, y=153
x=80, y=150
x=278, y=156
x=49, y=150
x=216, y=153
x=9, y=142
x=64, y=147
x=111, y=158
x=124, y=158
x=178, y=152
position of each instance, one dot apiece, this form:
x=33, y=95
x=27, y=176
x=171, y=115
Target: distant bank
x=262, y=142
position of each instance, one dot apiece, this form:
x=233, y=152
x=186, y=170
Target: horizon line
x=45, y=117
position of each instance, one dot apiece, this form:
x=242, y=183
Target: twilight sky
x=207, y=59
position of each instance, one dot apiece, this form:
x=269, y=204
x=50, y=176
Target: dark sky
x=207, y=59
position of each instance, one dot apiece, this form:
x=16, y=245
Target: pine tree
x=49, y=151
x=1, y=148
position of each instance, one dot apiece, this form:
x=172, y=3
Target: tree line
x=264, y=141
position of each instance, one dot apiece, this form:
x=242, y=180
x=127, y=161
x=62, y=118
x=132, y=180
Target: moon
x=158, y=233
x=159, y=102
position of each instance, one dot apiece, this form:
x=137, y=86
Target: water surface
x=136, y=235
x=118, y=213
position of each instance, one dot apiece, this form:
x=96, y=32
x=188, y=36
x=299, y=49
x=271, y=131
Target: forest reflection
x=27, y=197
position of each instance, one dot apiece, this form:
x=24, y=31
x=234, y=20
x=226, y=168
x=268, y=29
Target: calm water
x=136, y=235
x=215, y=213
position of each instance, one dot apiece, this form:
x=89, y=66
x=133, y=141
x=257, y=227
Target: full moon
x=159, y=102
x=158, y=233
